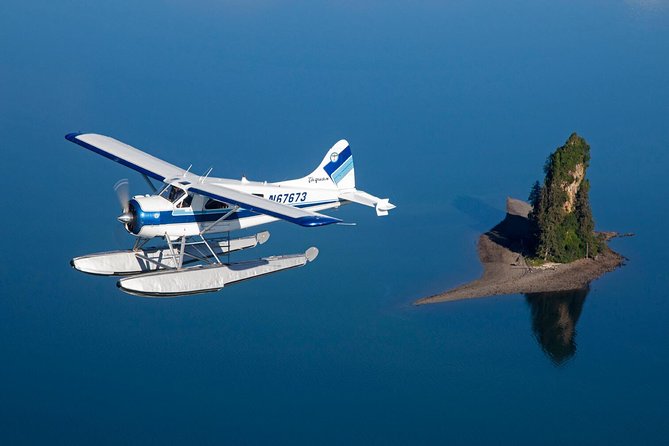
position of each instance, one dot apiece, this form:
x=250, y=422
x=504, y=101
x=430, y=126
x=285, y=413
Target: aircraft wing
x=127, y=155
x=261, y=205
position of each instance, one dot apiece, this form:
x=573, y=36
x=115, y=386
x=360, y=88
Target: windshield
x=175, y=194
x=172, y=193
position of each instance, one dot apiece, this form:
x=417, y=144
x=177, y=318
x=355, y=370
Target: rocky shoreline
x=505, y=270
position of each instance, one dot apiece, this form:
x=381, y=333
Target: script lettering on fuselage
x=295, y=197
x=317, y=180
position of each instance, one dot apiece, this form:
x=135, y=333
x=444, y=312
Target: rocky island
x=548, y=244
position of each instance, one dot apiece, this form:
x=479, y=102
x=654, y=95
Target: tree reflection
x=554, y=317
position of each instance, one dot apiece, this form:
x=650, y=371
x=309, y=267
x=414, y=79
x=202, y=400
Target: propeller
x=122, y=190
x=121, y=236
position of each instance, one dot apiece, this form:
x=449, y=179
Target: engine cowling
x=146, y=210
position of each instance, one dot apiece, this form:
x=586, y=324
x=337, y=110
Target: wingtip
x=72, y=136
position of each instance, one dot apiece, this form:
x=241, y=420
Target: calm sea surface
x=449, y=109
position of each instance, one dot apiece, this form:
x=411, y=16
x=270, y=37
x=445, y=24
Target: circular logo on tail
x=334, y=157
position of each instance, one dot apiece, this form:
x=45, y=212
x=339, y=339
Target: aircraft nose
x=125, y=218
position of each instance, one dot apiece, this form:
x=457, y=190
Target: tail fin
x=336, y=170
x=336, y=173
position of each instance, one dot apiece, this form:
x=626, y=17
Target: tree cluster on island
x=561, y=217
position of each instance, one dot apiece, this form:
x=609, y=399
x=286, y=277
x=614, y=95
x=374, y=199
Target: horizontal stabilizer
x=382, y=205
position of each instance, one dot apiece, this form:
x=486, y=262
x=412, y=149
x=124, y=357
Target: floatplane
x=192, y=216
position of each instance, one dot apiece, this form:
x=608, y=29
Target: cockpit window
x=215, y=204
x=174, y=193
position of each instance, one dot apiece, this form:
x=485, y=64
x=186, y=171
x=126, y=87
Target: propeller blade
x=122, y=190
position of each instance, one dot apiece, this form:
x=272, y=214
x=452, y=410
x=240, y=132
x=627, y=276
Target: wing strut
x=148, y=181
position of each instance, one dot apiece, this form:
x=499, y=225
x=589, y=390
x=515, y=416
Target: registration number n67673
x=295, y=197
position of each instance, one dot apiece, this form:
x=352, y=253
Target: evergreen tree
x=535, y=194
x=586, y=224
x=564, y=228
x=535, y=200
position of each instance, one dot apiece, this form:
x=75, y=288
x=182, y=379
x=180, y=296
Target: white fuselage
x=158, y=215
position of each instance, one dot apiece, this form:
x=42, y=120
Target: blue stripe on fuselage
x=179, y=216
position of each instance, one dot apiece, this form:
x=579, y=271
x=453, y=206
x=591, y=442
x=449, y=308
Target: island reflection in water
x=554, y=318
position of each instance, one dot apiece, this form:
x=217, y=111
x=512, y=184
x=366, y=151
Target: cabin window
x=215, y=204
x=260, y=195
x=186, y=201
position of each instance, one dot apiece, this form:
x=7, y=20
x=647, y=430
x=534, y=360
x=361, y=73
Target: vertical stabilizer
x=335, y=170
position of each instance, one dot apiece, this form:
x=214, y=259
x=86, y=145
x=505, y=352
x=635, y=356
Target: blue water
x=448, y=108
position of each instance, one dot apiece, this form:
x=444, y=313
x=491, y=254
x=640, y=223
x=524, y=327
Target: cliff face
x=571, y=187
x=564, y=228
